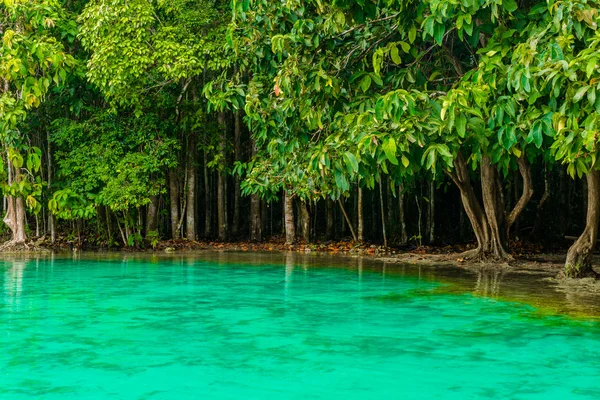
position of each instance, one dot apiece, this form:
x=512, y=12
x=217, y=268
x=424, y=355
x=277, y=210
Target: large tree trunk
x=361, y=220
x=490, y=222
x=221, y=212
x=494, y=210
x=15, y=219
x=174, y=200
x=290, y=225
x=471, y=205
x=15, y=210
x=579, y=256
x=190, y=214
x=304, y=221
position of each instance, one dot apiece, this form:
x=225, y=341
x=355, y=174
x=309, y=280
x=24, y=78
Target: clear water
x=275, y=327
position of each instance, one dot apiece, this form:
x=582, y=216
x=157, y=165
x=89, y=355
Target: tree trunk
x=152, y=215
x=330, y=220
x=471, y=205
x=579, y=256
x=255, y=219
x=525, y=171
x=15, y=211
x=237, y=195
x=402, y=216
x=540, y=208
x=255, y=210
x=494, y=210
x=207, y=199
x=51, y=226
x=304, y=221
x=221, y=215
x=347, y=220
x=382, y=213
x=174, y=200
x=361, y=220
x=290, y=225
x=431, y=214
x=190, y=214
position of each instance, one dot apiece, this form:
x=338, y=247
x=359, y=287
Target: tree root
x=15, y=246
x=478, y=255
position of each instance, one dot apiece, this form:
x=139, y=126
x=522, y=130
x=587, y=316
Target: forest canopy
x=126, y=122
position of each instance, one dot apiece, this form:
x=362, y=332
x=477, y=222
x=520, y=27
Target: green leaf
x=438, y=33
x=395, y=56
x=580, y=93
x=412, y=34
x=509, y=5
x=405, y=161
x=535, y=134
x=461, y=125
x=351, y=162
x=389, y=148
x=365, y=83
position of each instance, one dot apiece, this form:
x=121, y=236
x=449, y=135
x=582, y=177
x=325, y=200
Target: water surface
x=283, y=326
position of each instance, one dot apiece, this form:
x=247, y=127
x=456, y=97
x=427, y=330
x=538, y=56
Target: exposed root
x=13, y=246
x=478, y=255
x=589, y=273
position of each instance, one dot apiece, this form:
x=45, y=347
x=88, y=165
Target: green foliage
x=115, y=161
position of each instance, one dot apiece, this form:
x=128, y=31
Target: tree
x=32, y=60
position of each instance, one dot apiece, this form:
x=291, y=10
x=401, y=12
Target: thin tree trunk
x=255, y=211
x=347, y=220
x=391, y=226
x=540, y=208
x=207, y=199
x=190, y=219
x=330, y=220
x=237, y=195
x=525, y=171
x=174, y=200
x=579, y=256
x=361, y=219
x=221, y=206
x=420, y=213
x=431, y=212
x=51, y=227
x=385, y=244
x=290, y=225
x=402, y=215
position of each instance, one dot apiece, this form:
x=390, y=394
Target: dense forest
x=127, y=122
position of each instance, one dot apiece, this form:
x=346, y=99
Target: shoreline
x=530, y=279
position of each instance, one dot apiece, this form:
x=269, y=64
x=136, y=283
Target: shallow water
x=231, y=326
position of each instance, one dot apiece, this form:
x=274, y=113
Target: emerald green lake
x=244, y=326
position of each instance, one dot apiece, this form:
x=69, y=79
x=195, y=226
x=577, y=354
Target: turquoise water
x=277, y=327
